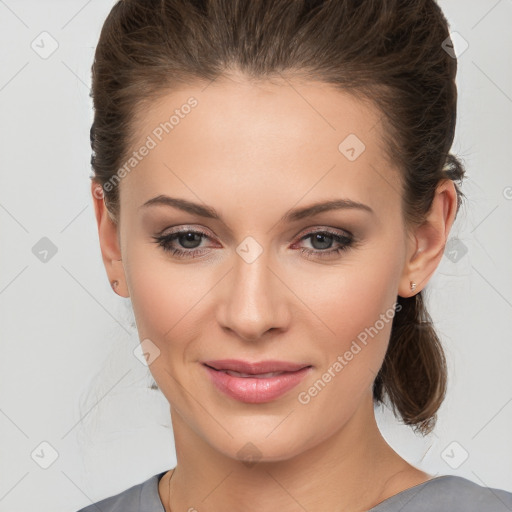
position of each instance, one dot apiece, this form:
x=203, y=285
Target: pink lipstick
x=255, y=382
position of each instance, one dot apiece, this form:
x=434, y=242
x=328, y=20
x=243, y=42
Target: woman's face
x=316, y=289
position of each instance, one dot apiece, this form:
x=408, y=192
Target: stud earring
x=413, y=286
x=115, y=284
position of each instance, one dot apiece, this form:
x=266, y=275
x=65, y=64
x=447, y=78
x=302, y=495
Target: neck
x=352, y=469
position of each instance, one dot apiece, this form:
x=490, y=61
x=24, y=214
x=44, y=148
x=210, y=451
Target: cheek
x=162, y=293
x=166, y=302
x=350, y=358
x=354, y=295
x=356, y=302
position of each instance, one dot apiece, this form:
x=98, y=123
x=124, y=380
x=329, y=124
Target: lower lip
x=256, y=391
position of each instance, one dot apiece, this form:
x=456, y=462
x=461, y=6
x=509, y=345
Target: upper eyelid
x=338, y=231
x=180, y=229
x=314, y=229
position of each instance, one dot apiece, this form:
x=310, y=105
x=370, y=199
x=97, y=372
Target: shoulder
x=448, y=492
x=141, y=496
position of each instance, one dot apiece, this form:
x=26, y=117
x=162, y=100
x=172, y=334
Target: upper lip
x=255, y=367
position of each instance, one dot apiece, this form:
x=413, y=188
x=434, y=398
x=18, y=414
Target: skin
x=253, y=151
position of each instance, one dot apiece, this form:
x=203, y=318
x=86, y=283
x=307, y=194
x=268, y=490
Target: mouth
x=250, y=384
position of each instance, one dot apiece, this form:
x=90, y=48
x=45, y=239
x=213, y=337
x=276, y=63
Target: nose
x=254, y=299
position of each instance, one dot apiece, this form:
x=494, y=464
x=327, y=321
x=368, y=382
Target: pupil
x=190, y=238
x=319, y=237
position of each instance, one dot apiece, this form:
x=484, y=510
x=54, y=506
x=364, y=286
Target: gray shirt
x=446, y=493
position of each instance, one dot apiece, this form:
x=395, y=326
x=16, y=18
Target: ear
x=427, y=241
x=109, y=241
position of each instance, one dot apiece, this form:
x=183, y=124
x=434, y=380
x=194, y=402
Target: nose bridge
x=254, y=301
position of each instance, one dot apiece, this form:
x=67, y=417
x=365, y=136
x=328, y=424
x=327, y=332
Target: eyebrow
x=290, y=216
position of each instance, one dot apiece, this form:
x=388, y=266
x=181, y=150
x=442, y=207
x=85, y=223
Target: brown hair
x=389, y=52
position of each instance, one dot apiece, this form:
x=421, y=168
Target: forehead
x=261, y=139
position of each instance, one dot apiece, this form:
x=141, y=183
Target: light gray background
x=68, y=374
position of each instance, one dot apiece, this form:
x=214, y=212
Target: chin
x=262, y=445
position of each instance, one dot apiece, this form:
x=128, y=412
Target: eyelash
x=346, y=242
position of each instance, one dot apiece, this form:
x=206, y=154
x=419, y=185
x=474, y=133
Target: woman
x=273, y=190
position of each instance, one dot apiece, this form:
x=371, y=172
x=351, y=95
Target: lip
x=255, y=389
x=255, y=367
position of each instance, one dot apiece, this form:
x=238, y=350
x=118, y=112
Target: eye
x=324, y=240
x=189, y=239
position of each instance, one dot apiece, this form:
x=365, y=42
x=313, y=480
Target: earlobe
x=429, y=240
x=109, y=242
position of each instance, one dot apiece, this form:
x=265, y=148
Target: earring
x=115, y=284
x=413, y=286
